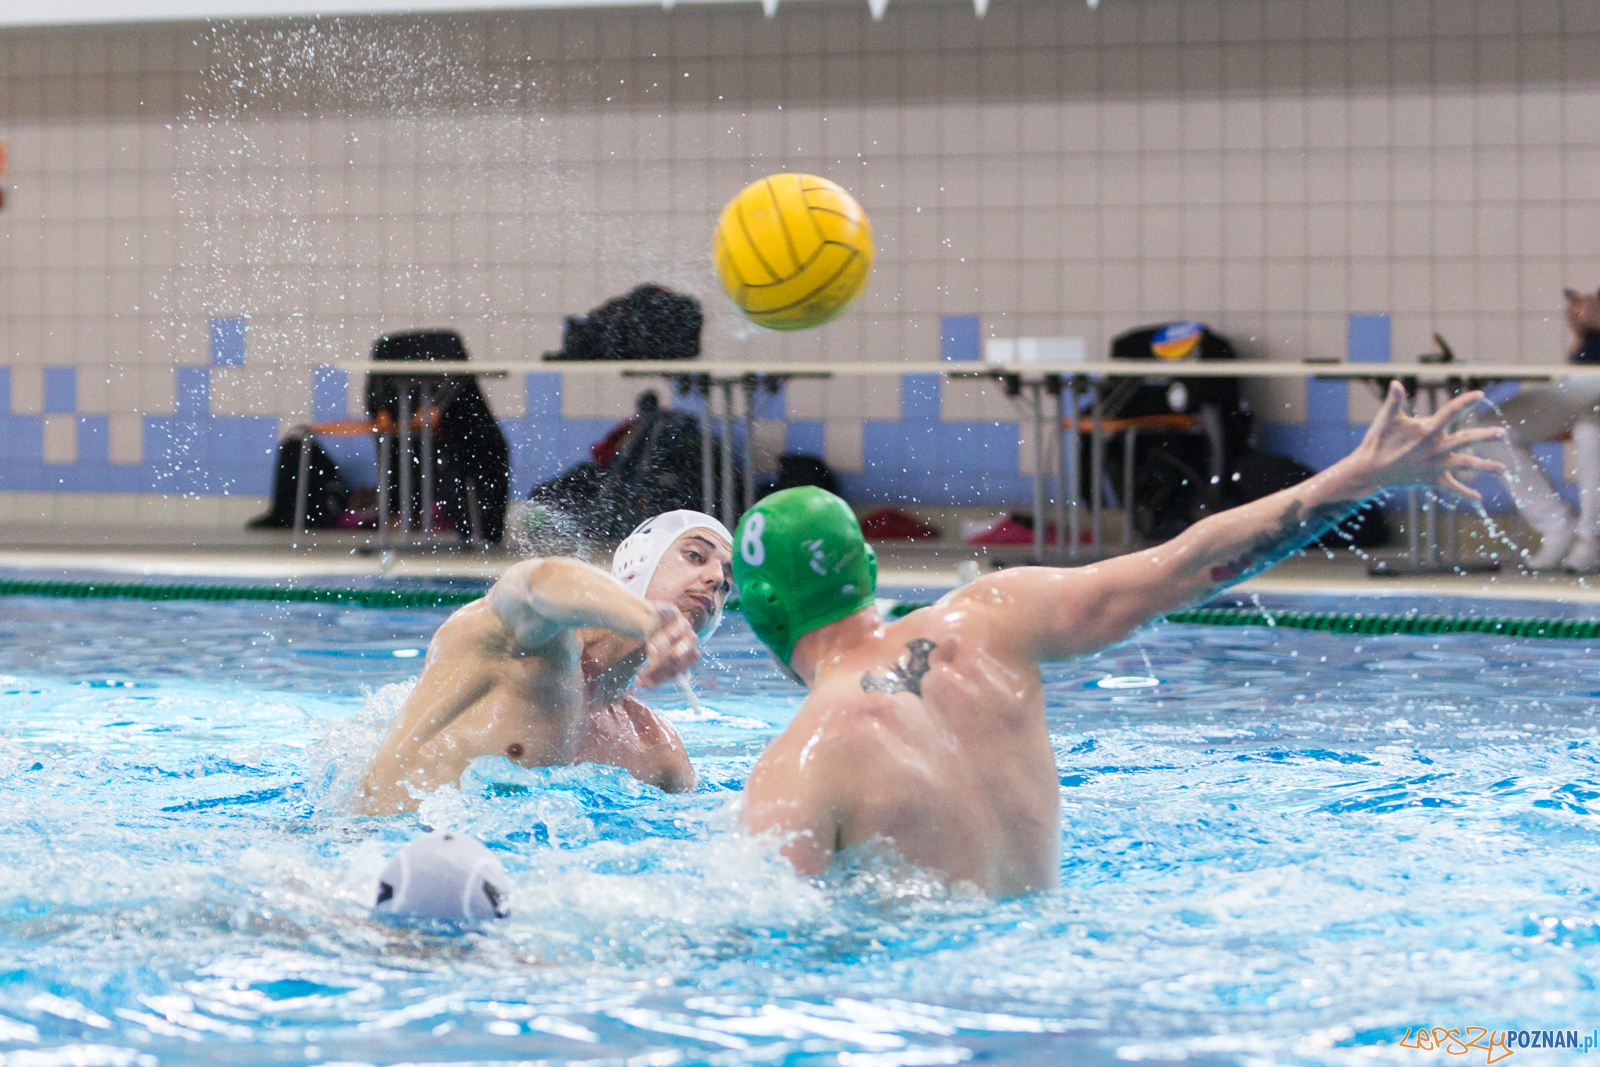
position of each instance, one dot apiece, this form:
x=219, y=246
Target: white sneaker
x=1553, y=548
x=1584, y=557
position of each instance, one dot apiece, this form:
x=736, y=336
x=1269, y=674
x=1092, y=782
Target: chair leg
x=474, y=515
x=302, y=488
x=1130, y=441
x=384, y=452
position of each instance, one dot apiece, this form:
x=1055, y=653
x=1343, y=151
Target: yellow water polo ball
x=792, y=250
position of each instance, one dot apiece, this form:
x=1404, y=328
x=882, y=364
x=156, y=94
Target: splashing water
x=538, y=529
x=1255, y=599
x=1294, y=848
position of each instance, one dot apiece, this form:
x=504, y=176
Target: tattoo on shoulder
x=905, y=676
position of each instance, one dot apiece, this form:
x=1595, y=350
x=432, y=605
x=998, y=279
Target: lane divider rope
x=1338, y=622
x=366, y=598
x=1345, y=622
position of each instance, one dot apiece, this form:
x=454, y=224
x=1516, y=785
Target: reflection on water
x=1290, y=846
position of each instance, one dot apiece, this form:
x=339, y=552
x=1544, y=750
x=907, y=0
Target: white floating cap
x=445, y=876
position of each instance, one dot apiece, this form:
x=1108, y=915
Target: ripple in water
x=1289, y=849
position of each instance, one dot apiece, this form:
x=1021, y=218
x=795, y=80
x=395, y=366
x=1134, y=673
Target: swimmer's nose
x=720, y=584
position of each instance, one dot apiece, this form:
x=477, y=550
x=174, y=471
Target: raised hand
x=671, y=648
x=1399, y=449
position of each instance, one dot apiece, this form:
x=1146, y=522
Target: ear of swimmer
x=444, y=876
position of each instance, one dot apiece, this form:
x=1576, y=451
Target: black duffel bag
x=651, y=322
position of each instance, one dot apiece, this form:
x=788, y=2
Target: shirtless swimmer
x=927, y=735
x=539, y=669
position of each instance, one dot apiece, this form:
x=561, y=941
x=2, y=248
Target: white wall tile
x=1411, y=286
x=126, y=445
x=1539, y=230
x=1243, y=232
x=1453, y=228
x=27, y=390
x=1468, y=204
x=841, y=444
x=60, y=439
x=1371, y=284
x=1455, y=121
x=1539, y=117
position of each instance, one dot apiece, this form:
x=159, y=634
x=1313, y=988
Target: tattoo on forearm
x=1296, y=529
x=905, y=676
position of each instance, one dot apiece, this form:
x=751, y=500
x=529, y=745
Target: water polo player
x=539, y=669
x=927, y=734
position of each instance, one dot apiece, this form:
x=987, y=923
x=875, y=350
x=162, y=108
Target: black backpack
x=326, y=490
x=1171, y=485
x=657, y=470
x=472, y=458
x=651, y=322
x=1223, y=392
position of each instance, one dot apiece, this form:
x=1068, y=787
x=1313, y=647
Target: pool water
x=1277, y=846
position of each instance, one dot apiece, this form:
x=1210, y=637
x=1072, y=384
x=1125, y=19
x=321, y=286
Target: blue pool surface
x=1277, y=847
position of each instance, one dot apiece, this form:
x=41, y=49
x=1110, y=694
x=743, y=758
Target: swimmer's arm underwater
x=1065, y=613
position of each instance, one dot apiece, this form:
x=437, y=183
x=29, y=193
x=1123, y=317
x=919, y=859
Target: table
x=1064, y=382
x=704, y=379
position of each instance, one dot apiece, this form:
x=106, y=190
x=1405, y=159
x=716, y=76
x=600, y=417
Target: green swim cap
x=800, y=563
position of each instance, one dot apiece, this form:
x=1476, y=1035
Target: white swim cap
x=445, y=876
x=640, y=554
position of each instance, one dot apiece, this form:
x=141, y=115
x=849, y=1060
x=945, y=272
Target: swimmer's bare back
x=920, y=736
x=538, y=671
x=927, y=735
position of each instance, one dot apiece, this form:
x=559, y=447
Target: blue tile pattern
x=919, y=458
x=227, y=341
x=960, y=340
x=60, y=390
x=803, y=436
x=1369, y=339
x=330, y=394
x=189, y=453
x=922, y=459
x=1327, y=434
x=543, y=442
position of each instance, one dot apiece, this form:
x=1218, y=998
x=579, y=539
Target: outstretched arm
x=1057, y=613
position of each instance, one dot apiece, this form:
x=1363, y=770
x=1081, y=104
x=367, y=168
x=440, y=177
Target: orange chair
x=383, y=426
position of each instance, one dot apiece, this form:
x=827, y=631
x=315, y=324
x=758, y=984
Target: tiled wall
x=197, y=217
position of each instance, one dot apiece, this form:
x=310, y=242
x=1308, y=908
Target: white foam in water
x=338, y=759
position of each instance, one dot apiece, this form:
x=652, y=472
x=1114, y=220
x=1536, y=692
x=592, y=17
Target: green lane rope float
x=1344, y=622
x=366, y=598
x=1336, y=622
